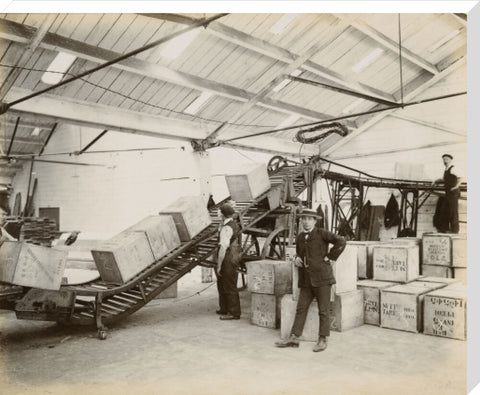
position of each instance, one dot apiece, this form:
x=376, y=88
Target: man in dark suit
x=315, y=277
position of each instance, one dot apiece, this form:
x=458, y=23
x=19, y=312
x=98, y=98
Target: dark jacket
x=450, y=181
x=313, y=251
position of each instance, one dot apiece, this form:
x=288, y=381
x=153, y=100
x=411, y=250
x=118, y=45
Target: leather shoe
x=321, y=344
x=291, y=341
x=220, y=312
x=229, y=317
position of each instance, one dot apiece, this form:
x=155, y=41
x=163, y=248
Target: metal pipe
x=93, y=142
x=202, y=22
x=48, y=138
x=13, y=136
x=28, y=188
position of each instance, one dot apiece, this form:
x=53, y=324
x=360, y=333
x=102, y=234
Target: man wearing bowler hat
x=315, y=277
x=451, y=181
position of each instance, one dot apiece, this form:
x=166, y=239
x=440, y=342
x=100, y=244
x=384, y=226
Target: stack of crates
x=127, y=254
x=445, y=255
x=268, y=281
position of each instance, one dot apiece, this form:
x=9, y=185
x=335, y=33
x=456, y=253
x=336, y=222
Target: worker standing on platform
x=227, y=275
x=451, y=181
x=315, y=277
x=4, y=235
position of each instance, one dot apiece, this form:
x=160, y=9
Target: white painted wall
x=129, y=185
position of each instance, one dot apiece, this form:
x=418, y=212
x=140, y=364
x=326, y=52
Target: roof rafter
x=278, y=53
x=388, y=43
x=413, y=89
x=428, y=124
x=94, y=115
x=287, y=69
x=20, y=140
x=32, y=45
x=19, y=33
x=394, y=151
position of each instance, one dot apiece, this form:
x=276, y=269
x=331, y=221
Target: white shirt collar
x=227, y=220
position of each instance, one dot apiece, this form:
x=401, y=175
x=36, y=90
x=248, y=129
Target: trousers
x=452, y=198
x=228, y=297
x=322, y=294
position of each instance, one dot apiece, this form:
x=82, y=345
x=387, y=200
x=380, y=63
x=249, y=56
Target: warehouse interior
x=108, y=118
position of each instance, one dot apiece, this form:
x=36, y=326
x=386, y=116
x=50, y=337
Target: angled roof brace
x=13, y=136
x=48, y=138
x=92, y=142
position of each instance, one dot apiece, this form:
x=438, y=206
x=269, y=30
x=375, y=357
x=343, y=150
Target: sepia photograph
x=250, y=198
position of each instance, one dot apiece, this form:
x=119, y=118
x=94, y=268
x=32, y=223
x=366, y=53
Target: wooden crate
x=248, y=183
x=415, y=241
x=364, y=257
x=345, y=270
x=460, y=273
x=398, y=263
x=433, y=279
x=161, y=234
x=123, y=256
x=459, y=250
x=437, y=271
x=169, y=293
x=190, y=215
x=346, y=312
x=445, y=313
x=444, y=249
x=402, y=306
x=290, y=254
x=207, y=275
x=269, y=277
x=371, y=299
x=266, y=310
x=31, y=265
x=288, y=309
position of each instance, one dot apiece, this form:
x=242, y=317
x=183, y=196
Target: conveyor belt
x=386, y=183
x=98, y=302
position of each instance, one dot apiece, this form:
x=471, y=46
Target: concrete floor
x=179, y=346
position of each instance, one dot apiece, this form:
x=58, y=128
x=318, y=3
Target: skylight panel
x=57, y=69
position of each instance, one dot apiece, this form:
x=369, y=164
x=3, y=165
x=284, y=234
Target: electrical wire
x=143, y=102
x=245, y=156
x=196, y=293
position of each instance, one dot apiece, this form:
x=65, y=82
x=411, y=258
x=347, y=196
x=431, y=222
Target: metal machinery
x=99, y=303
x=268, y=226
x=348, y=200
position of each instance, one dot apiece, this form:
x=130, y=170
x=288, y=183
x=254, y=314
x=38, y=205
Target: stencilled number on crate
x=447, y=302
x=370, y=306
x=409, y=313
x=437, y=249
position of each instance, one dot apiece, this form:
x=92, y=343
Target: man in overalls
x=451, y=181
x=227, y=275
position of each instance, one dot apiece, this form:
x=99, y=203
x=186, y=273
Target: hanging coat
x=392, y=214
